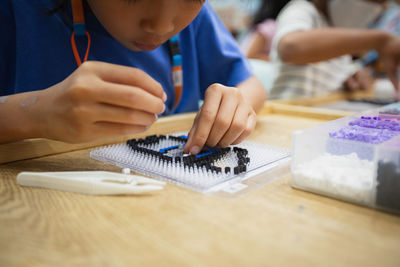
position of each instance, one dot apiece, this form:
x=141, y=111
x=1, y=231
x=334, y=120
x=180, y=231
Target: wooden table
x=340, y=100
x=272, y=226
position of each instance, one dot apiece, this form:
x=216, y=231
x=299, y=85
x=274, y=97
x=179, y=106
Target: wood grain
x=272, y=226
x=319, y=100
x=303, y=111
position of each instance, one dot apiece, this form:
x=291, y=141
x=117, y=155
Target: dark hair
x=269, y=9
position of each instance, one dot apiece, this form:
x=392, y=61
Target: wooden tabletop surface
x=274, y=225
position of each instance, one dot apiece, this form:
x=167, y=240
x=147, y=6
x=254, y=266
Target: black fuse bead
x=227, y=169
x=151, y=137
x=240, y=168
x=141, y=142
x=244, y=168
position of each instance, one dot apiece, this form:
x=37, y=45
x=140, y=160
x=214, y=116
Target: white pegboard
x=205, y=176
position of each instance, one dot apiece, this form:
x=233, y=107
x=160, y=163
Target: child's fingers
x=251, y=124
x=190, y=134
x=352, y=84
x=223, y=120
x=395, y=81
x=392, y=69
x=363, y=80
x=206, y=119
x=130, y=97
x=126, y=75
x=115, y=114
x=237, y=127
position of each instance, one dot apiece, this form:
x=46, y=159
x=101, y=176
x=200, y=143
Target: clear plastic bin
x=355, y=159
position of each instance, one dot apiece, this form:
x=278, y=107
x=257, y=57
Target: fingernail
x=185, y=149
x=164, y=97
x=195, y=150
x=162, y=110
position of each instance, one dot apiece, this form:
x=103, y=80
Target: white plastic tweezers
x=91, y=182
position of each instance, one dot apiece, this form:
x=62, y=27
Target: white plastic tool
x=91, y=182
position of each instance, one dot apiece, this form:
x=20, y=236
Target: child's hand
x=224, y=119
x=390, y=55
x=100, y=100
x=360, y=81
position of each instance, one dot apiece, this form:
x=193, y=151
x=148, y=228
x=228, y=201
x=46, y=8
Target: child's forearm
x=257, y=48
x=323, y=44
x=17, y=117
x=253, y=92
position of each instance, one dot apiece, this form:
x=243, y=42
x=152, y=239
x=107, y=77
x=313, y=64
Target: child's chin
x=134, y=46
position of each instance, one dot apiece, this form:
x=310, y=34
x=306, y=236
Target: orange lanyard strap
x=177, y=73
x=79, y=30
x=75, y=49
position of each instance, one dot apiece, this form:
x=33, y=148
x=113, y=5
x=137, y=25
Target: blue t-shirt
x=36, y=53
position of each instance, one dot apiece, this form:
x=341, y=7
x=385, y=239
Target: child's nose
x=160, y=25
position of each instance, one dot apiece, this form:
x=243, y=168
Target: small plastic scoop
x=91, y=182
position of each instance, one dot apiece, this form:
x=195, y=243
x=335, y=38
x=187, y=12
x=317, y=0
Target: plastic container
x=355, y=159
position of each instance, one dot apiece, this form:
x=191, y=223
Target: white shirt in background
x=309, y=79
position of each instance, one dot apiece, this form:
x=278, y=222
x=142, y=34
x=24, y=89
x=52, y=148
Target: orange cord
x=77, y=11
x=75, y=49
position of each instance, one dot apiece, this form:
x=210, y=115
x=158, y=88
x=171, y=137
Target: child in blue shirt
x=127, y=80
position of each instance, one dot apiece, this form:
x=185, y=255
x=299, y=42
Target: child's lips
x=145, y=47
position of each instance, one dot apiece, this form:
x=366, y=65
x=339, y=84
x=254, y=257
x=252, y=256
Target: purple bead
x=376, y=124
x=363, y=134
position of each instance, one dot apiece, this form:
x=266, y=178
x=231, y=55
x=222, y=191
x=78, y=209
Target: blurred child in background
x=315, y=41
x=258, y=42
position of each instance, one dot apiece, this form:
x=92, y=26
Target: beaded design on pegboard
x=162, y=157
